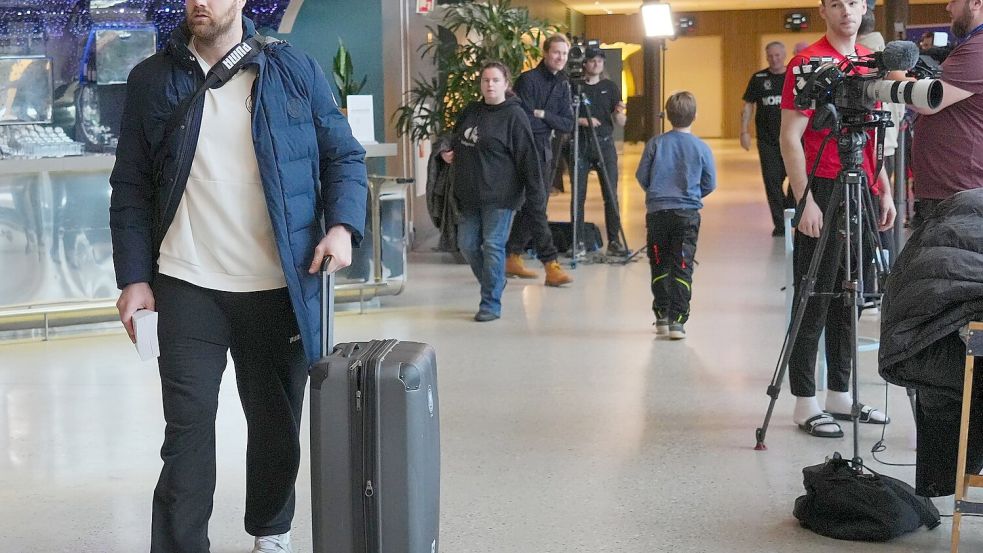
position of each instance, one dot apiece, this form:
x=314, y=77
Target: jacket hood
x=509, y=103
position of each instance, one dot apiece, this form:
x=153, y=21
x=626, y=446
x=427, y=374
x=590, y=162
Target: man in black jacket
x=545, y=94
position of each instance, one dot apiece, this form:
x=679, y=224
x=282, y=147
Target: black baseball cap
x=593, y=52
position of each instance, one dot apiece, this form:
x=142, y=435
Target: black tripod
x=849, y=213
x=606, y=191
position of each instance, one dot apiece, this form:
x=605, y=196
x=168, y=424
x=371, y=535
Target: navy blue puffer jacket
x=310, y=164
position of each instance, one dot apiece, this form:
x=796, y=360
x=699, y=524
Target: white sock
x=842, y=402
x=839, y=402
x=805, y=409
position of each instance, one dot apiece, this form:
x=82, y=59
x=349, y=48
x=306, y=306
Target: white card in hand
x=145, y=329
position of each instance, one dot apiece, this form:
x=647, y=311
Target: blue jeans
x=481, y=237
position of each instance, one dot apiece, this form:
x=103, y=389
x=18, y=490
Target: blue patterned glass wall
x=60, y=28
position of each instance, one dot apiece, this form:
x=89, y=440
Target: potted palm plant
x=491, y=31
x=344, y=75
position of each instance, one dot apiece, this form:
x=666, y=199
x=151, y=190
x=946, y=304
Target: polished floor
x=567, y=426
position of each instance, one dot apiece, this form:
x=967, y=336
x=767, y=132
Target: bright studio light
x=658, y=20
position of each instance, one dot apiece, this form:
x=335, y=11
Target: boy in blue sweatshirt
x=676, y=171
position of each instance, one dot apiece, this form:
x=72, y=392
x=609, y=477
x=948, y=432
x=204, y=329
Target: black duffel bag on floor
x=563, y=236
x=843, y=502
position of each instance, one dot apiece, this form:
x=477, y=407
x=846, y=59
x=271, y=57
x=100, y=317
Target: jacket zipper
x=194, y=114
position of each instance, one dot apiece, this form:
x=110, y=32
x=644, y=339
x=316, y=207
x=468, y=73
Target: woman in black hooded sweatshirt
x=496, y=169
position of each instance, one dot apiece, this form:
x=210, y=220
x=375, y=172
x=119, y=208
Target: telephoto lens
x=923, y=93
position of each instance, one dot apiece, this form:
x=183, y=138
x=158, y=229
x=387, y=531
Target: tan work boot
x=515, y=268
x=555, y=275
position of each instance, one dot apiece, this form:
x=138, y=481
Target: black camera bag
x=844, y=503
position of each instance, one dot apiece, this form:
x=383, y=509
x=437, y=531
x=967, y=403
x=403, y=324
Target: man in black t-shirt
x=764, y=92
x=603, y=99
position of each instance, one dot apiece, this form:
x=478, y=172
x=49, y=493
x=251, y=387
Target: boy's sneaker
x=661, y=325
x=676, y=331
x=279, y=543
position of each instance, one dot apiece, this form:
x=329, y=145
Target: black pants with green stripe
x=671, y=247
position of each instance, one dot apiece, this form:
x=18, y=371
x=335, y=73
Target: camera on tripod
x=837, y=92
x=578, y=55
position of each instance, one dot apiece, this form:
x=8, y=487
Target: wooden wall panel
x=740, y=32
x=555, y=12
x=924, y=14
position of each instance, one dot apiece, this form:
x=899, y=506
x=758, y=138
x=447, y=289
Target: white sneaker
x=279, y=543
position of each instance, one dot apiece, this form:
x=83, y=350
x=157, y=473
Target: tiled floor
x=567, y=426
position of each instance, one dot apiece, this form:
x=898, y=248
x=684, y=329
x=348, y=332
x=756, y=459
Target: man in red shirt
x=800, y=147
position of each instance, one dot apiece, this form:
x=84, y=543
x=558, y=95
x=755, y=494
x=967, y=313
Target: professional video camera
x=929, y=65
x=835, y=89
x=578, y=55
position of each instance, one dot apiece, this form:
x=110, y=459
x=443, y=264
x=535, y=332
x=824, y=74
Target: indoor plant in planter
x=486, y=31
x=344, y=76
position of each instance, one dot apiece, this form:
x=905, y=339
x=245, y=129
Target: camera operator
x=800, y=149
x=545, y=95
x=763, y=96
x=607, y=110
x=949, y=139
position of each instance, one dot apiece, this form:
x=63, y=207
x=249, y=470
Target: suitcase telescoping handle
x=327, y=308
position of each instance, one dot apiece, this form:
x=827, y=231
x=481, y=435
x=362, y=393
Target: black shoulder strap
x=218, y=75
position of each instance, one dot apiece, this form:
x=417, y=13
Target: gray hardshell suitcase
x=375, y=445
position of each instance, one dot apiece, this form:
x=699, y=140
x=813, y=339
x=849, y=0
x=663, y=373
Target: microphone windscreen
x=899, y=55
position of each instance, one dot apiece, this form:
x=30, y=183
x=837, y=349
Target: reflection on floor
x=567, y=425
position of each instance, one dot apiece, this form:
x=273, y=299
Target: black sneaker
x=676, y=331
x=615, y=248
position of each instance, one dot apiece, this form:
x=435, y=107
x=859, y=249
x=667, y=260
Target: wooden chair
x=973, y=336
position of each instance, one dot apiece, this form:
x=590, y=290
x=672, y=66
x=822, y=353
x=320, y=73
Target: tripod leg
x=607, y=191
x=853, y=292
x=575, y=184
x=874, y=239
x=807, y=288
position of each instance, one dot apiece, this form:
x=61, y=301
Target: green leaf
x=343, y=71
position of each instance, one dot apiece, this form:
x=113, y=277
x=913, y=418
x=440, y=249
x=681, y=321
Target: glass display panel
x=25, y=90
x=119, y=50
